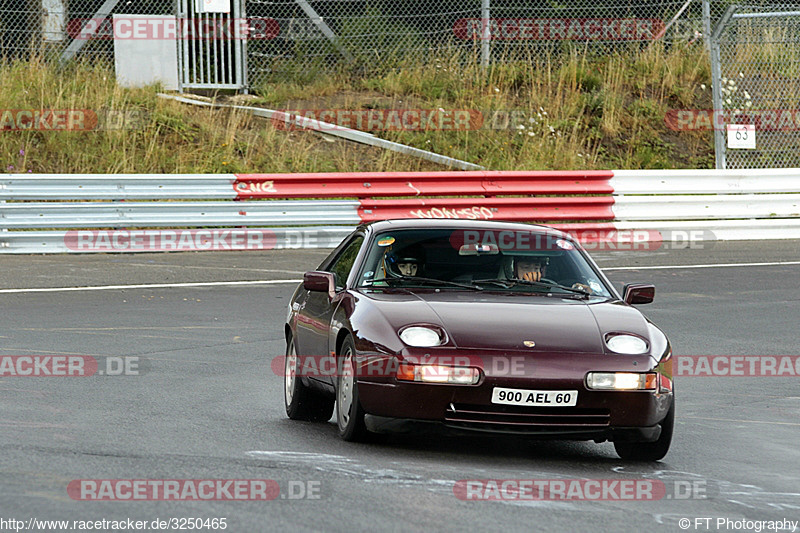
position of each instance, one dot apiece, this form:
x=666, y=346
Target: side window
x=343, y=264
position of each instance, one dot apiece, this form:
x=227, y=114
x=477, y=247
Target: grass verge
x=570, y=112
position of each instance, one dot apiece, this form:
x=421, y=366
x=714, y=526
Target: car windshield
x=515, y=261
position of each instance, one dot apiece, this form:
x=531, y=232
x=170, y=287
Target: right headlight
x=621, y=381
x=626, y=344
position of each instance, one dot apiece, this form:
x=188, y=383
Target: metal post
x=53, y=20
x=486, y=33
x=183, y=52
x=716, y=89
x=716, y=97
x=242, y=78
x=707, y=24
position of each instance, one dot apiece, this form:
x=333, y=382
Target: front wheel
x=349, y=414
x=301, y=402
x=650, y=451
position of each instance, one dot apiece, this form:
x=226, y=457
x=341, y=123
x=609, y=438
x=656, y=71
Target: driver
x=408, y=266
x=406, y=262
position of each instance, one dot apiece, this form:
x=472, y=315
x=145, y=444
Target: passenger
x=534, y=268
x=530, y=268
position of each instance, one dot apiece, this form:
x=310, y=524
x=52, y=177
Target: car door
x=314, y=318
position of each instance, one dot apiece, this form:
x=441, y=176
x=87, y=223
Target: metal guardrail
x=707, y=207
x=715, y=204
x=521, y=209
x=117, y=187
x=669, y=182
x=447, y=183
x=372, y=184
x=175, y=214
x=131, y=213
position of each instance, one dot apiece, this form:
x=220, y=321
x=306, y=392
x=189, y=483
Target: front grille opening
x=526, y=419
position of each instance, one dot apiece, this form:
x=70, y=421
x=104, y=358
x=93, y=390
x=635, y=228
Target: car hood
x=506, y=321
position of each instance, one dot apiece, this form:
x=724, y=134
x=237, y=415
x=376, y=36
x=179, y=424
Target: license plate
x=536, y=398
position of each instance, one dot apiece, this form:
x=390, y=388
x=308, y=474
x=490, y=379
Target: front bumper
x=603, y=415
x=380, y=424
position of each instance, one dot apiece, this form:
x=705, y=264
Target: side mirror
x=319, y=281
x=638, y=293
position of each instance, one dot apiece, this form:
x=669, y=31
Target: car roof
x=455, y=224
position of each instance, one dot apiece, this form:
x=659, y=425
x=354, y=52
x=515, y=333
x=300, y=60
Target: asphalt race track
x=205, y=404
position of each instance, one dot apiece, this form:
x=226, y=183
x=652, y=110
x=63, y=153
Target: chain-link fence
x=374, y=34
x=51, y=26
x=756, y=85
x=298, y=35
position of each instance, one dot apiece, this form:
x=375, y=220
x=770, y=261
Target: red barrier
x=450, y=183
x=528, y=209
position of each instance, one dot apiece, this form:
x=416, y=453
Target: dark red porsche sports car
x=479, y=326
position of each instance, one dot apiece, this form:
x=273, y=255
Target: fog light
x=453, y=375
x=621, y=381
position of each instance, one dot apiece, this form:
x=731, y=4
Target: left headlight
x=422, y=336
x=433, y=373
x=626, y=344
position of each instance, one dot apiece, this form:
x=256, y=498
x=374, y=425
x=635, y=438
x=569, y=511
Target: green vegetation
x=571, y=112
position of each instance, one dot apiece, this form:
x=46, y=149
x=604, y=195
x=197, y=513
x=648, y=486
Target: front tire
x=650, y=451
x=349, y=414
x=301, y=402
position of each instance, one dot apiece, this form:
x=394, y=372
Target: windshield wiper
x=508, y=283
x=430, y=280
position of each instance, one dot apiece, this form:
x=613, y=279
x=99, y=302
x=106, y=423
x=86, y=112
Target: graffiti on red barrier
x=470, y=213
x=257, y=187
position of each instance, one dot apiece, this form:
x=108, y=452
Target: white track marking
x=284, y=281
x=149, y=265
x=152, y=286
x=741, y=420
x=717, y=265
